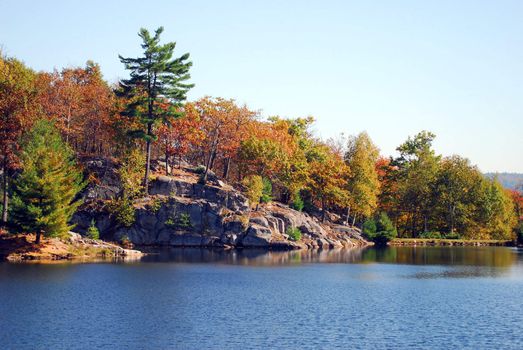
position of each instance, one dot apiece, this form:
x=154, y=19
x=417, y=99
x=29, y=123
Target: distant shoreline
x=450, y=242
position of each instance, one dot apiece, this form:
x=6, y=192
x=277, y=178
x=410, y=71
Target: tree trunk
x=226, y=168
x=5, y=189
x=323, y=214
x=452, y=219
x=38, y=237
x=348, y=215
x=208, y=167
x=166, y=158
x=353, y=220
x=147, y=160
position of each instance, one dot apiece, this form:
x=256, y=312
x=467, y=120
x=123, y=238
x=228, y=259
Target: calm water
x=396, y=298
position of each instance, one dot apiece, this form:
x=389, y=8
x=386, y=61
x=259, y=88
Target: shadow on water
x=498, y=257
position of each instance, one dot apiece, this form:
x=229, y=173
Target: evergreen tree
x=44, y=193
x=156, y=88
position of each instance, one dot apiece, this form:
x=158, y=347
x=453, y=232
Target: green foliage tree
x=266, y=196
x=417, y=169
x=297, y=202
x=253, y=185
x=44, y=193
x=156, y=89
x=92, y=231
x=380, y=229
x=363, y=184
x=122, y=208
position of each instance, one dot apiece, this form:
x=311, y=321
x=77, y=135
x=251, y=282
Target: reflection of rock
x=181, y=212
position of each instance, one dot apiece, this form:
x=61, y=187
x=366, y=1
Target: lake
x=393, y=298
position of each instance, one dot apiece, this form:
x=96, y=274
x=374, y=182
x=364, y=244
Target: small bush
x=156, y=204
x=266, y=195
x=170, y=222
x=380, y=230
x=125, y=241
x=431, y=235
x=452, y=235
x=297, y=202
x=123, y=211
x=92, y=231
x=184, y=220
x=294, y=233
x=200, y=169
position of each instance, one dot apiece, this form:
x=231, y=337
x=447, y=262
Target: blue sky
x=391, y=68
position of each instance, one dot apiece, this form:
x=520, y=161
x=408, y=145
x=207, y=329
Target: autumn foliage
x=345, y=180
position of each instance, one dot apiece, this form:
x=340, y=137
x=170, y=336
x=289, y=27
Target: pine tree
x=44, y=193
x=156, y=88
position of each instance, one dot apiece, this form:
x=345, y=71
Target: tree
x=82, y=104
x=380, y=229
x=363, y=184
x=156, y=88
x=223, y=124
x=17, y=94
x=455, y=193
x=327, y=179
x=180, y=136
x=253, y=185
x=45, y=191
x=417, y=167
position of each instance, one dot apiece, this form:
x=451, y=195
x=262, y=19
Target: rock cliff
x=183, y=213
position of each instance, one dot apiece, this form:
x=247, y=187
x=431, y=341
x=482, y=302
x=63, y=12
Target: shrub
x=294, y=233
x=184, y=220
x=431, y=235
x=156, y=204
x=131, y=173
x=380, y=229
x=253, y=185
x=200, y=169
x=297, y=202
x=92, y=231
x=170, y=222
x=266, y=195
x=123, y=211
x=452, y=235
x=125, y=241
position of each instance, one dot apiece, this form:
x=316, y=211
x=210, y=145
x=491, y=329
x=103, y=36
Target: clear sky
x=391, y=68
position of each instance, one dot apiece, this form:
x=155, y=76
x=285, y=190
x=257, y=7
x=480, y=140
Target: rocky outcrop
x=181, y=212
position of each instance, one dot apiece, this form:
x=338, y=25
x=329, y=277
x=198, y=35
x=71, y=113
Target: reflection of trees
x=254, y=257
x=473, y=256
x=460, y=256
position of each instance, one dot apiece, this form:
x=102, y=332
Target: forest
x=51, y=121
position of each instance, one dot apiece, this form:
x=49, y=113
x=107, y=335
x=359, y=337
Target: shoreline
x=414, y=242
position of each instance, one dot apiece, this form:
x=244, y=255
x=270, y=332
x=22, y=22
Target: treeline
x=147, y=117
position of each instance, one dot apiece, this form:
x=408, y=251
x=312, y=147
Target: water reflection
x=498, y=257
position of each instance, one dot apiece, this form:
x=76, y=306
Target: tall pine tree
x=45, y=191
x=156, y=88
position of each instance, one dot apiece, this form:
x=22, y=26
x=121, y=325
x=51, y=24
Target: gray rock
x=257, y=236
